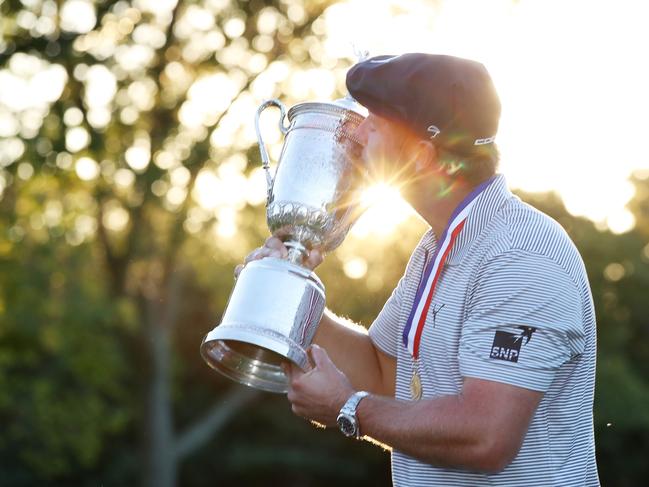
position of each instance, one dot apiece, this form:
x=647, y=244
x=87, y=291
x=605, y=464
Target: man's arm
x=480, y=429
x=352, y=351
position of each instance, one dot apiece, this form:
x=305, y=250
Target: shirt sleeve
x=524, y=321
x=384, y=332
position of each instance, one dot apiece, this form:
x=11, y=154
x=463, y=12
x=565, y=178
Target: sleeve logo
x=507, y=346
x=434, y=131
x=485, y=141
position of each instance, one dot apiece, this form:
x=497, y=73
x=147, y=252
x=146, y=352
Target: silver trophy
x=313, y=200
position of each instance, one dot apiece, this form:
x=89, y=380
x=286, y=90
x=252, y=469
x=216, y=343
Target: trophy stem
x=296, y=252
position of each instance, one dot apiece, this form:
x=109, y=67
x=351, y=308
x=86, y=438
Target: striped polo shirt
x=512, y=305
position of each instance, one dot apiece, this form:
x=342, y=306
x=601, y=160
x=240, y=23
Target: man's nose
x=360, y=134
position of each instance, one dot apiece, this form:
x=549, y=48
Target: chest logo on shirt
x=436, y=309
x=507, y=346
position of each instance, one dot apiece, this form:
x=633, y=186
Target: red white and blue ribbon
x=417, y=319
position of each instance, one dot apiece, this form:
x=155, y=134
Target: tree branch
x=137, y=214
x=205, y=428
x=173, y=298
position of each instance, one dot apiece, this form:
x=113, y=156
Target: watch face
x=347, y=425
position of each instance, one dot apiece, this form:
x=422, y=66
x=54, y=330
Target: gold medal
x=415, y=386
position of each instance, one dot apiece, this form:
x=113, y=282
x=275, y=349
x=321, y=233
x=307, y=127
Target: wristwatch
x=347, y=420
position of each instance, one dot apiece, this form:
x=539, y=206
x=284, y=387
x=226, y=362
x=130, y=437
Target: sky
x=572, y=76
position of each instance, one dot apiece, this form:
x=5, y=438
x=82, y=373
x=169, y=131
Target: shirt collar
x=487, y=204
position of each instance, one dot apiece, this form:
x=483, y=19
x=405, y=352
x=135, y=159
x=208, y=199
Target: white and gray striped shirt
x=513, y=305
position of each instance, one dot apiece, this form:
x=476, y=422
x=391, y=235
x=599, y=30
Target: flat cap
x=448, y=100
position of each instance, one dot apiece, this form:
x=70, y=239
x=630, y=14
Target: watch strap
x=353, y=401
x=349, y=409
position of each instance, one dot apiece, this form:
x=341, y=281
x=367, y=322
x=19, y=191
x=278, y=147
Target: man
x=480, y=368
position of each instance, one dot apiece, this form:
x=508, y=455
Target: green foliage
x=61, y=365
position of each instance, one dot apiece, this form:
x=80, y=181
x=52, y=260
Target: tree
x=128, y=160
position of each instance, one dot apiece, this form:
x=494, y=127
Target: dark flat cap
x=449, y=100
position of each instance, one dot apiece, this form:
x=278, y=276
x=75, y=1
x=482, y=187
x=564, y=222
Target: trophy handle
x=265, y=160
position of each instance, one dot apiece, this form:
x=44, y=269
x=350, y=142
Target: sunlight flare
x=385, y=211
x=572, y=89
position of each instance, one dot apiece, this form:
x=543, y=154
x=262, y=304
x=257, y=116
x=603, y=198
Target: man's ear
x=426, y=156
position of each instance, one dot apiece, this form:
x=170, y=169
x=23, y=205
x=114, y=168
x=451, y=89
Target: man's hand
x=274, y=247
x=320, y=393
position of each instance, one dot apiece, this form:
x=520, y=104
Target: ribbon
x=415, y=325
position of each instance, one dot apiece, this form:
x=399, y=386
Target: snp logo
x=507, y=346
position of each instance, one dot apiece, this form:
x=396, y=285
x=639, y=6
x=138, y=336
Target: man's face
x=383, y=147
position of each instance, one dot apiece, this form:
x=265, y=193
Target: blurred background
x=130, y=187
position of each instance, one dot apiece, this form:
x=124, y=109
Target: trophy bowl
x=312, y=202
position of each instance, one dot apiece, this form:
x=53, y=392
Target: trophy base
x=247, y=364
x=252, y=358
x=270, y=319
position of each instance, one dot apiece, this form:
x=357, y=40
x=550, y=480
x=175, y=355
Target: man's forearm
x=428, y=430
x=351, y=349
x=450, y=431
x=481, y=428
